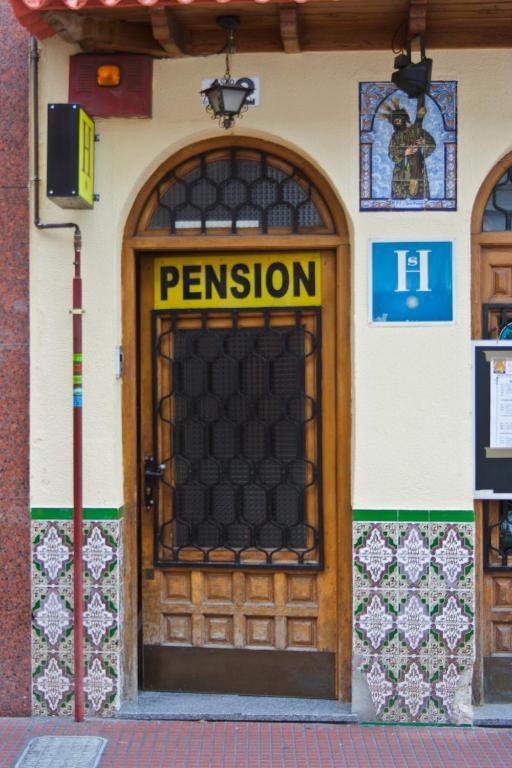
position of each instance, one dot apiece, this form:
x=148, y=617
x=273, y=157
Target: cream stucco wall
x=411, y=386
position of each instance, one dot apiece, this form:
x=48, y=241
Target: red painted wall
x=15, y=606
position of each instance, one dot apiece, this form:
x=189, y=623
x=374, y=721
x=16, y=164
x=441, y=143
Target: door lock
x=152, y=473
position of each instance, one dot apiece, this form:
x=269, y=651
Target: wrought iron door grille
x=498, y=535
x=494, y=318
x=237, y=430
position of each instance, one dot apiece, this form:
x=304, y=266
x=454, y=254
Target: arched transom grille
x=498, y=209
x=235, y=191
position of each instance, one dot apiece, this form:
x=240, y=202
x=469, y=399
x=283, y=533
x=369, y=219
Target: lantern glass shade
x=226, y=99
x=234, y=98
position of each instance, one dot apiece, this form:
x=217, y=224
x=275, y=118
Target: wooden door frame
x=479, y=241
x=134, y=244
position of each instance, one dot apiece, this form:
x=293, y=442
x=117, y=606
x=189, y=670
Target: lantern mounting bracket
x=417, y=23
x=228, y=22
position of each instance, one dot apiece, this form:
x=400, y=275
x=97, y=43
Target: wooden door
x=495, y=310
x=238, y=463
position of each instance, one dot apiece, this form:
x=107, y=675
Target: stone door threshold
x=493, y=715
x=205, y=706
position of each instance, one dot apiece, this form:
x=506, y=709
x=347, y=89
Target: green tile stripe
x=66, y=513
x=375, y=515
x=414, y=515
x=463, y=516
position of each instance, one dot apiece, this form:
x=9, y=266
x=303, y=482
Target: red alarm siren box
x=126, y=93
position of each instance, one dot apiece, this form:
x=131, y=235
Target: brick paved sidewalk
x=158, y=744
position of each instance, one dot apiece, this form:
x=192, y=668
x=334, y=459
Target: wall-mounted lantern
x=413, y=78
x=226, y=99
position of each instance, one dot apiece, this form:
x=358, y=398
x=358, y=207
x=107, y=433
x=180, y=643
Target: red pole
x=77, y=312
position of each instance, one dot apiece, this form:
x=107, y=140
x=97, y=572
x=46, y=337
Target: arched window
x=492, y=246
x=235, y=191
x=498, y=209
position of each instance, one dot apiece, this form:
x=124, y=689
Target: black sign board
x=493, y=464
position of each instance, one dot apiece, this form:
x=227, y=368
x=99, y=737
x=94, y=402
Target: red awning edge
x=32, y=20
x=28, y=12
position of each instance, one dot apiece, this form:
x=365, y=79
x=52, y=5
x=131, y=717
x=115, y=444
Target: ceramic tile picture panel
x=408, y=148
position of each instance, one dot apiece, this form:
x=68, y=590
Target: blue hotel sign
x=411, y=282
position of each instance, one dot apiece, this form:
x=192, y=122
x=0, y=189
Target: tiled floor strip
x=159, y=744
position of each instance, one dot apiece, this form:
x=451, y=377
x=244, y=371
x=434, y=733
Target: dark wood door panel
x=245, y=672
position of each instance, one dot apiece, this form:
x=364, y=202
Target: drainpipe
x=77, y=312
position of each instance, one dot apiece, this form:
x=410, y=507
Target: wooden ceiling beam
x=95, y=35
x=417, y=17
x=70, y=27
x=166, y=31
x=340, y=25
x=121, y=36
x=289, y=28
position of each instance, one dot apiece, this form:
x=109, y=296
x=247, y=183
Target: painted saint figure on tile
x=408, y=148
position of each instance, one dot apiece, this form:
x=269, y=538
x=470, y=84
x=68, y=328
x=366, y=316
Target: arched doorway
x=236, y=425
x=491, y=228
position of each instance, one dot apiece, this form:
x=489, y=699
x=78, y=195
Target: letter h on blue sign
x=412, y=264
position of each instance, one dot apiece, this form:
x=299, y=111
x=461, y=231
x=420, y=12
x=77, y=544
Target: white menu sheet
x=501, y=403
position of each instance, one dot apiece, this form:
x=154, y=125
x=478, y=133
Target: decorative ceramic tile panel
x=414, y=612
x=374, y=554
x=408, y=148
x=374, y=621
x=52, y=612
x=53, y=616
x=414, y=622
x=414, y=689
x=101, y=682
x=98, y=553
x=452, y=548
x=99, y=618
x=445, y=688
x=381, y=687
x=413, y=554
x=51, y=552
x=453, y=621
x=52, y=687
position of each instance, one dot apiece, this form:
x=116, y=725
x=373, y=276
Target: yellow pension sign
x=255, y=280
